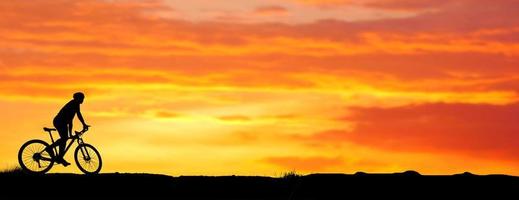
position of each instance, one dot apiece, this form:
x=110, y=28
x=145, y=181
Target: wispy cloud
x=270, y=10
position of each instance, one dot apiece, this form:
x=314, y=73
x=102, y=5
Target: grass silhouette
x=12, y=170
x=291, y=175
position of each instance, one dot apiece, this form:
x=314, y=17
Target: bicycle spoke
x=27, y=160
x=26, y=153
x=31, y=165
x=30, y=149
x=33, y=148
x=88, y=165
x=34, y=166
x=27, y=156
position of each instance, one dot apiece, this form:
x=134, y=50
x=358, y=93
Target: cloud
x=459, y=16
x=271, y=10
x=166, y=114
x=66, y=34
x=260, y=118
x=402, y=5
x=328, y=2
x=411, y=5
x=433, y=15
x=405, y=5
x=234, y=118
x=485, y=131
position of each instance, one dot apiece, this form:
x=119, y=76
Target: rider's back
x=67, y=113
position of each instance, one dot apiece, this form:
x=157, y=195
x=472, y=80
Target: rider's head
x=79, y=97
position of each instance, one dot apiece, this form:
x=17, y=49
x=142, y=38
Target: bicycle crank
x=37, y=157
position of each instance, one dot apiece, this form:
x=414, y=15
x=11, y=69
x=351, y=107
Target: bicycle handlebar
x=85, y=129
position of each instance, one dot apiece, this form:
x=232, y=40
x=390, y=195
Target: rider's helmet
x=79, y=96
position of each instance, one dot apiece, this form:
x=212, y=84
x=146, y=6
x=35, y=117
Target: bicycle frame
x=74, y=138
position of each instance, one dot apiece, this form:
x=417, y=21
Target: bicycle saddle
x=48, y=129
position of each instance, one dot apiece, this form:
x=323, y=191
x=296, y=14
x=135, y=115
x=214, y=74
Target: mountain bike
x=36, y=156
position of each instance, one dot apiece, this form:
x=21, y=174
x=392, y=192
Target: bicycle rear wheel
x=33, y=158
x=88, y=159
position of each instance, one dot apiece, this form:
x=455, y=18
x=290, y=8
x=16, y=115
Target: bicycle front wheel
x=34, y=159
x=88, y=159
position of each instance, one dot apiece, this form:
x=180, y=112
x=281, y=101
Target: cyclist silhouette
x=63, y=123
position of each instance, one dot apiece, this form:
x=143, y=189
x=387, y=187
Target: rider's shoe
x=63, y=162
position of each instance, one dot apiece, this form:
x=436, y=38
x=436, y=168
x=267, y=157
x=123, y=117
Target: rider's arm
x=80, y=117
x=70, y=129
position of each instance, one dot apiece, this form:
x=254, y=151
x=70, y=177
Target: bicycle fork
x=83, y=150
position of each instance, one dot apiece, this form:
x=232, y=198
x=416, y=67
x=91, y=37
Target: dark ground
x=410, y=185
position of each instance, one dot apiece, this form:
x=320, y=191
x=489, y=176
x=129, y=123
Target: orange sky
x=264, y=87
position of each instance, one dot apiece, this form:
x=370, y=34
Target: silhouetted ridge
x=407, y=184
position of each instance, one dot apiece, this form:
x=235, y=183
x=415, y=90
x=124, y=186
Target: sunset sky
x=263, y=87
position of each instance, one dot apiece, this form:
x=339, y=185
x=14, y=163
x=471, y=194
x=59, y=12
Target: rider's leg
x=62, y=144
x=52, y=154
x=62, y=141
